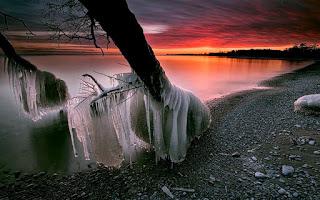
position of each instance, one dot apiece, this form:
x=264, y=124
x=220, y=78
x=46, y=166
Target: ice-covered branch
x=36, y=91
x=134, y=117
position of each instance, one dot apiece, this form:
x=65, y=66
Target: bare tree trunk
x=177, y=115
x=121, y=25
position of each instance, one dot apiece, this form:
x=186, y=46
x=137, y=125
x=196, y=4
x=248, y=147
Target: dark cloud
x=211, y=23
x=232, y=23
x=31, y=11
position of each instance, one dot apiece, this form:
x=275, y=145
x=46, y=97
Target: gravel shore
x=256, y=148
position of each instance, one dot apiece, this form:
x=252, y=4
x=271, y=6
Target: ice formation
x=308, y=104
x=175, y=122
x=128, y=116
x=101, y=122
x=115, y=123
x=37, y=92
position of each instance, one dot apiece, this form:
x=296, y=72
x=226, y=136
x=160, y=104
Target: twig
x=95, y=81
x=6, y=16
x=112, y=77
x=92, y=25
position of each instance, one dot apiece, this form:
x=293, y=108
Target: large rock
x=287, y=170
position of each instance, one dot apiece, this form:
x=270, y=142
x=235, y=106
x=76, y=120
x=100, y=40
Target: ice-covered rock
x=309, y=104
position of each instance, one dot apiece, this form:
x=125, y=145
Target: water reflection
x=50, y=142
x=210, y=77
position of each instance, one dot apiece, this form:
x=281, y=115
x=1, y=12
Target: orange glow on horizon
x=69, y=48
x=205, y=50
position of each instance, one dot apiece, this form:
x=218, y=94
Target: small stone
x=295, y=157
x=312, y=142
x=166, y=190
x=301, y=141
x=317, y=152
x=305, y=166
x=235, y=154
x=297, y=126
x=287, y=170
x=260, y=175
x=30, y=185
x=267, y=158
x=42, y=173
x=282, y=191
x=17, y=174
x=257, y=183
x=295, y=194
x=212, y=178
x=39, y=174
x=184, y=189
x=250, y=150
x=271, y=173
x=254, y=158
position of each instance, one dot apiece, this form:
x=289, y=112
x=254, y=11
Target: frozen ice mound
x=309, y=104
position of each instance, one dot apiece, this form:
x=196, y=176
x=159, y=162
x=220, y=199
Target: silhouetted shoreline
x=297, y=52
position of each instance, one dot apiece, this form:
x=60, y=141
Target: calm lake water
x=46, y=146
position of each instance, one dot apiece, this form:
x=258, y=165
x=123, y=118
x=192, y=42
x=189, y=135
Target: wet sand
x=252, y=131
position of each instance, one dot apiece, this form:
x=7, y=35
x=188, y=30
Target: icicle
x=146, y=99
x=37, y=92
x=105, y=130
x=169, y=125
x=176, y=121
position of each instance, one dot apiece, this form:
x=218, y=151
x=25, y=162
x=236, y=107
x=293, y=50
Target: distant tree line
x=296, y=52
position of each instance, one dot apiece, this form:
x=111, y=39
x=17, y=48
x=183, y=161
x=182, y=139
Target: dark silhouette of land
x=301, y=51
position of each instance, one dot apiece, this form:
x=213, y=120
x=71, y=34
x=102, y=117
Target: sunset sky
x=187, y=26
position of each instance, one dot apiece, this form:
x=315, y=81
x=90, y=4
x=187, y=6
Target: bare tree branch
x=6, y=17
x=92, y=26
x=70, y=20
